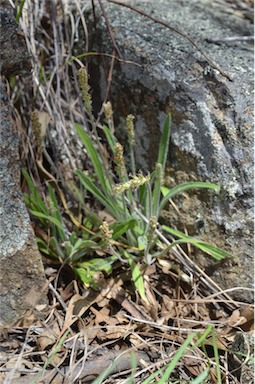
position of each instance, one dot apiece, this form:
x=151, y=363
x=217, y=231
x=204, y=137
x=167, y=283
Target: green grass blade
x=142, y=194
x=216, y=355
x=169, y=193
x=55, y=213
x=164, y=143
x=171, y=366
x=53, y=220
x=100, y=379
x=156, y=190
x=120, y=228
x=215, y=252
x=203, y=337
x=51, y=357
x=110, y=138
x=103, y=178
x=85, y=180
x=200, y=378
x=59, y=251
x=98, y=264
x=19, y=10
x=152, y=376
x=44, y=248
x=34, y=199
x=82, y=244
x=133, y=366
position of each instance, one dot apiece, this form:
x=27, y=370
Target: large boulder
x=212, y=114
x=22, y=281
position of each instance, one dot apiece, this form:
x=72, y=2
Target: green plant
x=19, y=10
x=62, y=244
x=139, y=194
x=135, y=204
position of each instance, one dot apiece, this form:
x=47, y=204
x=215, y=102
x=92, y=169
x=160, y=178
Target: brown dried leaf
x=44, y=120
x=48, y=337
x=102, y=316
x=169, y=305
x=90, y=332
x=113, y=333
x=236, y=319
x=120, y=317
x=77, y=306
x=193, y=365
x=248, y=313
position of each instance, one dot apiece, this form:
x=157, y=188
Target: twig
x=162, y=326
x=110, y=30
x=55, y=292
x=176, y=30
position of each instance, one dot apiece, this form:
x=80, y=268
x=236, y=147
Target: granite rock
x=22, y=281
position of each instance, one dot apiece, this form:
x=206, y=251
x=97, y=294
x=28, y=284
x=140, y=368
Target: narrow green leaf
x=200, y=341
x=50, y=358
x=101, y=378
x=133, y=367
x=81, y=249
x=136, y=276
x=120, y=228
x=34, y=197
x=216, y=355
x=156, y=190
x=55, y=213
x=164, y=143
x=53, y=220
x=200, y=378
x=110, y=138
x=142, y=194
x=215, y=252
x=19, y=10
x=175, y=359
x=54, y=244
x=44, y=248
x=95, y=159
x=169, y=193
x=85, y=180
x=81, y=244
x=153, y=376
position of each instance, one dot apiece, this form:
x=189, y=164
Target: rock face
x=22, y=280
x=14, y=56
x=212, y=117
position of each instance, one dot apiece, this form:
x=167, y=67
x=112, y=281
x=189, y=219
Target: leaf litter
x=101, y=326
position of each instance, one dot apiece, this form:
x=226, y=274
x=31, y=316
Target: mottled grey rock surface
x=212, y=117
x=22, y=280
x=14, y=57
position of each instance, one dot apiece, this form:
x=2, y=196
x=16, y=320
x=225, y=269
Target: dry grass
x=81, y=332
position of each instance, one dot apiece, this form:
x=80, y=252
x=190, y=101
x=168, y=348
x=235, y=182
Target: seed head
x=130, y=129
